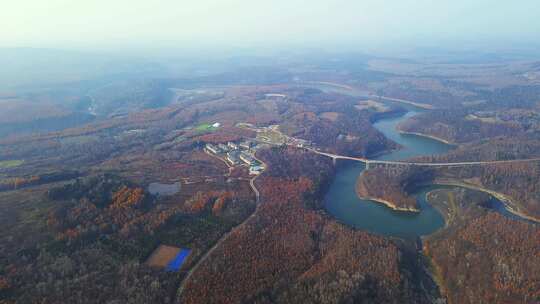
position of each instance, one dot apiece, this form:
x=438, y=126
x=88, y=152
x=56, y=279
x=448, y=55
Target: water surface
x=412, y=145
x=163, y=189
x=343, y=203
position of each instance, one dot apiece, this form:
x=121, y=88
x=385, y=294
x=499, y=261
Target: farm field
x=10, y=163
x=205, y=127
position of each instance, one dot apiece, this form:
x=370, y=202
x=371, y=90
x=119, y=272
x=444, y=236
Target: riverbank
x=366, y=94
x=508, y=203
x=332, y=84
x=424, y=106
x=435, y=271
x=362, y=193
x=443, y=198
x=444, y=141
x=375, y=211
x=389, y=204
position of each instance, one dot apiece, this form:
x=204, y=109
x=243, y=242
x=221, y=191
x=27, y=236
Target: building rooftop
x=234, y=157
x=212, y=148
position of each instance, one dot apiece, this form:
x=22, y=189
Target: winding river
x=341, y=199
x=342, y=202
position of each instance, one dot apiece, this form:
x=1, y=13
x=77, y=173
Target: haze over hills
x=281, y=152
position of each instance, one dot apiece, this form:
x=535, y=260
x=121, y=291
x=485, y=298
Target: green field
x=10, y=163
x=205, y=127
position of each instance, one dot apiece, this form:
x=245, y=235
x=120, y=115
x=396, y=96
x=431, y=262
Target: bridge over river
x=369, y=162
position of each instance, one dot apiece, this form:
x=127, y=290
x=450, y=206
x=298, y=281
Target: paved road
x=334, y=156
x=455, y=164
x=225, y=236
x=213, y=248
x=406, y=163
x=252, y=184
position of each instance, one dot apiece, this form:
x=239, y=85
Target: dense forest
x=456, y=126
x=79, y=221
x=519, y=182
x=500, y=148
x=473, y=268
x=100, y=231
x=291, y=252
x=381, y=184
x=466, y=125
x=335, y=122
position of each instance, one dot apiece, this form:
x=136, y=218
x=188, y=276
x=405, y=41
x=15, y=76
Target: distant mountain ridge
x=28, y=66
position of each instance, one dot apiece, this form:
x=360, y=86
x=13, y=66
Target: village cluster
x=238, y=154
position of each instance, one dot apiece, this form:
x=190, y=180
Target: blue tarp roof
x=177, y=262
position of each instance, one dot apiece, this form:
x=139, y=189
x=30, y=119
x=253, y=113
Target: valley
x=275, y=185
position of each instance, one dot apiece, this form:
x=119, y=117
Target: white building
x=212, y=149
x=233, y=158
x=248, y=159
x=255, y=170
x=248, y=144
x=223, y=147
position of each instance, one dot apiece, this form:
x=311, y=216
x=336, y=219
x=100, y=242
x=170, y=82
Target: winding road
x=334, y=157
x=225, y=236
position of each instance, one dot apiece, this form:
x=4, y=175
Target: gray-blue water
x=163, y=189
x=342, y=202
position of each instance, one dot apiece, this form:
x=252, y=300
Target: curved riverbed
x=343, y=203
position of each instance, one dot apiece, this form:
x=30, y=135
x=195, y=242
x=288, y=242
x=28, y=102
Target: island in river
x=386, y=206
x=344, y=204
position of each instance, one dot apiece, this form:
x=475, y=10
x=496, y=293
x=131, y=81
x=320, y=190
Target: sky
x=207, y=24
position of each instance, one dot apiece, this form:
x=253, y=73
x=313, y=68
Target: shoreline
x=332, y=84
x=435, y=272
x=508, y=203
x=389, y=204
x=444, y=141
x=440, y=207
x=424, y=106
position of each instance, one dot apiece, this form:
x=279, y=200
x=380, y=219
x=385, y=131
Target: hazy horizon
x=142, y=26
